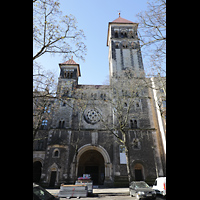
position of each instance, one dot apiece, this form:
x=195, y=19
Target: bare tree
x=54, y=33
x=44, y=93
x=127, y=92
x=152, y=33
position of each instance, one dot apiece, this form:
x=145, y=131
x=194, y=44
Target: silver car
x=141, y=190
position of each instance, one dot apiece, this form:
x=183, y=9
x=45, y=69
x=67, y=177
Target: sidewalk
x=111, y=191
x=106, y=194
x=100, y=192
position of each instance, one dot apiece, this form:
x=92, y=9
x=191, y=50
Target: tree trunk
x=128, y=164
x=127, y=159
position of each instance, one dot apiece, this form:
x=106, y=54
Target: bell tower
x=124, y=47
x=69, y=73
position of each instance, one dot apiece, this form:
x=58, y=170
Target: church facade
x=79, y=141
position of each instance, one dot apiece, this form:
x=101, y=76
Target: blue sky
x=93, y=17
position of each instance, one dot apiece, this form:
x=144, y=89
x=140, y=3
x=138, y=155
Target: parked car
x=141, y=190
x=40, y=193
x=160, y=185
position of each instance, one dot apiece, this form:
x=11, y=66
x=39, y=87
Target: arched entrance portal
x=92, y=162
x=102, y=160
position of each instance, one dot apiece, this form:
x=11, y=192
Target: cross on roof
x=119, y=12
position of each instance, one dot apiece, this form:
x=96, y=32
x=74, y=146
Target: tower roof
x=122, y=20
x=71, y=62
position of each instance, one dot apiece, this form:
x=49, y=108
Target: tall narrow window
x=131, y=122
x=116, y=34
x=63, y=124
x=59, y=126
x=44, y=124
x=122, y=154
x=56, y=153
x=135, y=124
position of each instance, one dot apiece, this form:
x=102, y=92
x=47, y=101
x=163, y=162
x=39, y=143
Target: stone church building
x=78, y=142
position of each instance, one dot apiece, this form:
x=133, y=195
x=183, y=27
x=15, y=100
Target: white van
x=160, y=185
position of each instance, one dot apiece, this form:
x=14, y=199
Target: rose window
x=92, y=116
